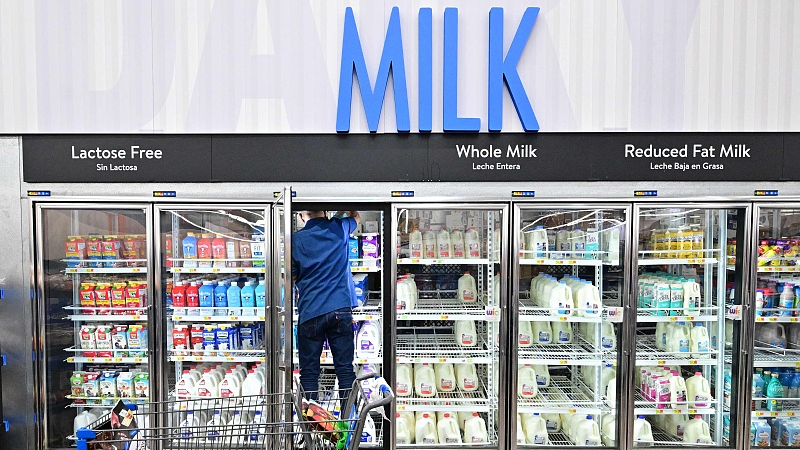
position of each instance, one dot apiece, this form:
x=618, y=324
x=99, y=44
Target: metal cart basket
x=247, y=422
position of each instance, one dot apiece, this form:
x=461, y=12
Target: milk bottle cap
x=698, y=374
x=179, y=283
x=192, y=284
x=640, y=417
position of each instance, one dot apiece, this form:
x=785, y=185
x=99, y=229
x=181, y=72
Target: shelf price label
x=215, y=270
x=572, y=262
x=562, y=319
x=136, y=270
x=693, y=362
x=563, y=362
x=678, y=411
x=692, y=411
x=689, y=318
x=206, y=317
x=240, y=270
x=137, y=360
x=659, y=411
x=443, y=317
x=673, y=319
x=759, y=414
x=790, y=414
x=772, y=319
x=797, y=364
x=793, y=319
x=660, y=362
x=442, y=360
x=573, y=411
x=191, y=270
x=177, y=317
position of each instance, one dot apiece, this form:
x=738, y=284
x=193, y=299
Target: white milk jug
x=560, y=301
x=611, y=246
x=608, y=428
x=466, y=336
x=83, y=420
x=678, y=338
x=535, y=429
x=426, y=430
x=457, y=241
x=473, y=243
x=675, y=425
x=542, y=333
x=677, y=390
x=525, y=337
x=402, y=434
x=406, y=294
x=642, y=432
x=537, y=243
x=586, y=432
x=562, y=332
x=542, y=375
x=368, y=340
x=608, y=337
x=445, y=377
x=699, y=341
x=369, y=433
x=467, y=292
x=526, y=382
x=405, y=380
x=209, y=385
x=448, y=430
x=424, y=380
x=475, y=430
x=553, y=422
x=410, y=421
x=661, y=335
x=444, y=249
x=563, y=244
x=698, y=391
x=697, y=432
x=466, y=377
x=691, y=297
x=415, y=244
x=429, y=244
x=520, y=432
x=578, y=238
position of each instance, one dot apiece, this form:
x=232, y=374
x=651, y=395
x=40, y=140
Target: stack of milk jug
x=431, y=428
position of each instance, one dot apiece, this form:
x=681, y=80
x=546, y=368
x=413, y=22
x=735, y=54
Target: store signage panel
x=116, y=158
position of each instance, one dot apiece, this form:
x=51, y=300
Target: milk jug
x=208, y=385
x=429, y=244
x=608, y=427
x=444, y=249
x=466, y=335
x=661, y=335
x=405, y=380
x=578, y=239
x=215, y=426
x=699, y=341
x=448, y=430
x=535, y=429
x=83, y=420
x=587, y=301
x=473, y=243
x=525, y=338
x=406, y=294
x=475, y=430
x=678, y=338
x=189, y=426
x=457, y=241
x=586, y=433
x=402, y=435
x=410, y=421
x=697, y=432
x=415, y=244
x=698, y=391
x=426, y=430
x=467, y=292
x=537, y=243
x=467, y=377
x=231, y=385
x=424, y=380
x=642, y=432
x=542, y=333
x=677, y=390
x=611, y=246
x=562, y=332
x=368, y=341
x=675, y=424
x=445, y=377
x=691, y=297
x=526, y=382
x=253, y=384
x=770, y=334
x=542, y=375
x=520, y=432
x=369, y=433
x=564, y=245
x=606, y=375
x=611, y=391
x=608, y=337
x=553, y=422
x=560, y=301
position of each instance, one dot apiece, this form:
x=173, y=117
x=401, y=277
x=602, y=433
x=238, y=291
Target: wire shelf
x=457, y=400
x=530, y=312
x=208, y=356
x=775, y=357
x=580, y=352
x=433, y=348
x=649, y=407
x=648, y=354
x=561, y=396
x=703, y=314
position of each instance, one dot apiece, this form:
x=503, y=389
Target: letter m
x=353, y=63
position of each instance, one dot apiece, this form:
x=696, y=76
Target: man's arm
x=354, y=214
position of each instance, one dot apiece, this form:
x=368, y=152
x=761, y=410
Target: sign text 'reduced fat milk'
x=502, y=68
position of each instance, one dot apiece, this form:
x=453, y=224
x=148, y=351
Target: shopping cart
x=247, y=422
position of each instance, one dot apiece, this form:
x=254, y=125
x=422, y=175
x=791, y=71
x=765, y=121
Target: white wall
x=272, y=66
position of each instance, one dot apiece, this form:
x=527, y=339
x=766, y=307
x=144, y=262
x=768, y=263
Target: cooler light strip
x=771, y=193
x=402, y=193
x=645, y=193
x=164, y=194
x=523, y=193
x=38, y=193
x=276, y=194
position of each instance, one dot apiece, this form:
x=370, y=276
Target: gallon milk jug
x=237, y=428
x=467, y=292
x=475, y=430
x=563, y=244
x=444, y=249
x=231, y=386
x=368, y=343
x=691, y=297
x=611, y=390
x=520, y=432
x=253, y=384
x=83, y=420
x=209, y=385
x=611, y=246
x=678, y=338
x=560, y=301
x=402, y=435
x=426, y=430
x=472, y=240
x=542, y=375
x=429, y=244
x=457, y=241
x=406, y=294
x=608, y=337
x=526, y=382
x=771, y=335
x=405, y=380
x=578, y=239
x=587, y=301
x=215, y=427
x=410, y=420
x=525, y=338
x=189, y=426
x=424, y=380
x=697, y=432
x=661, y=335
x=677, y=390
x=535, y=429
x=608, y=427
x=467, y=377
x=675, y=424
x=466, y=335
x=369, y=434
x=586, y=432
x=793, y=337
x=562, y=332
x=699, y=342
x=698, y=391
x=415, y=244
x=542, y=333
x=445, y=377
x=553, y=422
x=537, y=243
x=642, y=432
x=448, y=430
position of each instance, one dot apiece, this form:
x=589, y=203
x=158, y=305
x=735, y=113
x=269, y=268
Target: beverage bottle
x=258, y=428
x=786, y=302
x=192, y=300
x=698, y=391
x=424, y=380
x=206, y=293
x=402, y=434
x=697, y=241
x=794, y=388
x=231, y=252
x=190, y=250
x=475, y=430
x=527, y=385
x=405, y=380
x=248, y=299
x=448, y=430
x=218, y=250
x=472, y=241
x=774, y=394
x=684, y=237
x=699, y=341
x=757, y=391
x=204, y=251
x=261, y=297
x=642, y=432
x=429, y=244
x=785, y=376
x=445, y=377
x=234, y=300
x=179, y=298
x=467, y=290
x=535, y=429
x=215, y=427
x=444, y=249
x=426, y=430
x=578, y=239
x=221, y=299
x=537, y=243
x=671, y=238
x=696, y=431
x=415, y=243
x=457, y=241
x=564, y=245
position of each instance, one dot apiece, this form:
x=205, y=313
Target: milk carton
x=141, y=385
x=125, y=387
x=760, y=433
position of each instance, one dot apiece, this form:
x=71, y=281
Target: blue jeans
x=337, y=327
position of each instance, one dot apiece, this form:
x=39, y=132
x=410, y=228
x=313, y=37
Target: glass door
x=776, y=373
x=568, y=293
x=213, y=263
x=94, y=313
x=451, y=274
x=689, y=276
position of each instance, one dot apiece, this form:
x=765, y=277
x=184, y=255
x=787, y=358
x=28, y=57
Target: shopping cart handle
x=365, y=376
x=85, y=433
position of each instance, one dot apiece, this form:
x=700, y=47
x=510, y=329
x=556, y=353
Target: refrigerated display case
x=568, y=291
x=687, y=367
x=94, y=313
x=775, y=400
x=451, y=272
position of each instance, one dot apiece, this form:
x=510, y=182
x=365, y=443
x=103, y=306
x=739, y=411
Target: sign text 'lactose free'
x=105, y=154
x=502, y=72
